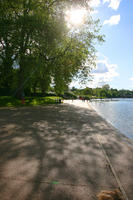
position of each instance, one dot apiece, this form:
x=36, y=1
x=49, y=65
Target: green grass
x=7, y=101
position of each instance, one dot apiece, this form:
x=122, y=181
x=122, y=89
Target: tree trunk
x=34, y=88
x=20, y=90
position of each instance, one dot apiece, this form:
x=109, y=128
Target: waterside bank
x=116, y=146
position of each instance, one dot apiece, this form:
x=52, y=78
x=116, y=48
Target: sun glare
x=76, y=16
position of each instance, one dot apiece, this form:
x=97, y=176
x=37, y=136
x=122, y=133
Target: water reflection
x=119, y=112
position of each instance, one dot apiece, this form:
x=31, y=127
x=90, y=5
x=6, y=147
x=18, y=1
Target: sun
x=76, y=17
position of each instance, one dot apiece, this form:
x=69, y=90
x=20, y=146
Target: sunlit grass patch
x=8, y=101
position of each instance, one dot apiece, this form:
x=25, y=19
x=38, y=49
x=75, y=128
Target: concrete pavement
x=52, y=152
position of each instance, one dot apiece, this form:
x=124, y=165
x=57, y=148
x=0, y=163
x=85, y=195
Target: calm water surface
x=119, y=112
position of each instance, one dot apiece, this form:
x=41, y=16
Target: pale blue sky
x=116, y=53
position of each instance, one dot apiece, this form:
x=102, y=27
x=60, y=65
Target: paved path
x=52, y=153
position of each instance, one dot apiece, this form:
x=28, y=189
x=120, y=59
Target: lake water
x=119, y=112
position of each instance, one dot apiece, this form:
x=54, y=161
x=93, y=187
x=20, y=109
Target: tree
x=88, y=91
x=34, y=34
x=7, y=40
x=106, y=87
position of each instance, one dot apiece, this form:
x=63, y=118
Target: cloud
x=131, y=79
x=93, y=12
x=103, y=73
x=114, y=20
x=114, y=4
x=101, y=68
x=94, y=3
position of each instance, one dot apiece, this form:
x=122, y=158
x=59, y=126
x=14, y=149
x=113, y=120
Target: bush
x=69, y=95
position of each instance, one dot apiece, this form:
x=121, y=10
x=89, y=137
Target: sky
x=115, y=55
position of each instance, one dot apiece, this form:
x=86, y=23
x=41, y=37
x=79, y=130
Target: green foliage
x=69, y=95
x=104, y=92
x=8, y=101
x=37, y=48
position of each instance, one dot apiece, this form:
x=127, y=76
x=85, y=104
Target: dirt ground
x=52, y=153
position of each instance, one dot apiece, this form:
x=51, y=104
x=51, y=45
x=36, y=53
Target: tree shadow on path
x=52, y=153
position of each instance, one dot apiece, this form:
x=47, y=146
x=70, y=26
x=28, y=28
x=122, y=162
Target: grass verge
x=8, y=101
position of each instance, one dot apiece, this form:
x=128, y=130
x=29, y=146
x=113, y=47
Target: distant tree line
x=103, y=92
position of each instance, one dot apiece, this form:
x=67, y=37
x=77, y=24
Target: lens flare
x=76, y=16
